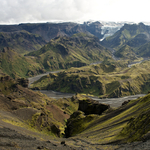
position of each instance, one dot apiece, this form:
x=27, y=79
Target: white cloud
x=18, y=11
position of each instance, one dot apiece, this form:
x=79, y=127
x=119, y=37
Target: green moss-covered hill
x=135, y=37
x=128, y=123
x=113, y=79
x=126, y=52
x=15, y=65
x=21, y=41
x=76, y=51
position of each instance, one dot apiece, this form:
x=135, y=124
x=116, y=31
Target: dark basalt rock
x=90, y=106
x=125, y=102
x=23, y=82
x=5, y=78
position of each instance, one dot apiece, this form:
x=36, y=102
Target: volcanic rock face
x=24, y=82
x=88, y=110
x=90, y=106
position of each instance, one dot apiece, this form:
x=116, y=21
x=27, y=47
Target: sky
x=33, y=11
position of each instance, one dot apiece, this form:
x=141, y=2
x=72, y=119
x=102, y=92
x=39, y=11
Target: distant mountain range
x=55, y=46
x=31, y=37
x=135, y=36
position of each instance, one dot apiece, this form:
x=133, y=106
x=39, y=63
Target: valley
x=98, y=79
x=75, y=86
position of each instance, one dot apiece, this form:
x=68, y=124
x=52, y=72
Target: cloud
x=41, y=10
x=19, y=11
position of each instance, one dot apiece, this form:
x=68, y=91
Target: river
x=113, y=102
x=35, y=78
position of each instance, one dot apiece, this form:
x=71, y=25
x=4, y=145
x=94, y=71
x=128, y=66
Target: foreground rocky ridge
x=33, y=109
x=23, y=113
x=128, y=123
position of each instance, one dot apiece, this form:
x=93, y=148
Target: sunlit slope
x=21, y=41
x=16, y=65
x=113, y=79
x=130, y=41
x=128, y=123
x=76, y=51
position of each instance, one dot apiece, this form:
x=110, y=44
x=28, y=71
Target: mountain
x=15, y=65
x=32, y=36
x=144, y=50
x=52, y=30
x=21, y=41
x=49, y=30
x=133, y=35
x=126, y=52
x=64, y=52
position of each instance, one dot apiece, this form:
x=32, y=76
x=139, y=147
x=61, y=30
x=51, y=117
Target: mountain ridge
x=64, y=52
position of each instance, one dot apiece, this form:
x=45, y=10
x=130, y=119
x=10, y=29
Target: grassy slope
x=105, y=80
x=21, y=41
x=144, y=50
x=65, y=52
x=34, y=110
x=16, y=65
x=126, y=124
x=126, y=52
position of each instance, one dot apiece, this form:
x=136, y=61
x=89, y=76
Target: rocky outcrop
x=90, y=106
x=72, y=122
x=23, y=82
x=5, y=78
x=88, y=110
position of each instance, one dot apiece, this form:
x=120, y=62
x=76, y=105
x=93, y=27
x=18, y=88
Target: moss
x=137, y=127
x=78, y=122
x=66, y=52
x=34, y=119
x=95, y=80
x=16, y=65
